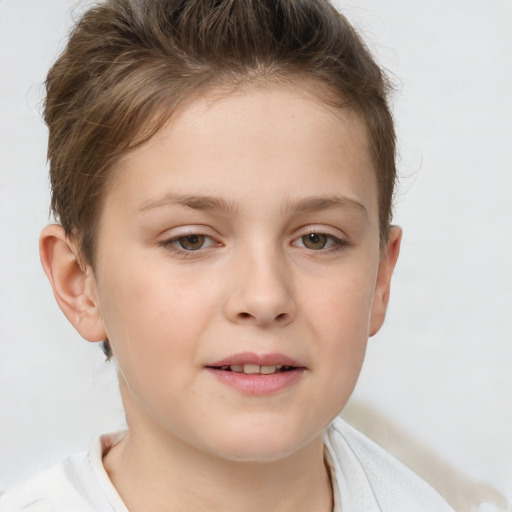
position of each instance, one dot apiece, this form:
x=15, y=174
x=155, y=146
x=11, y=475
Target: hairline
x=226, y=85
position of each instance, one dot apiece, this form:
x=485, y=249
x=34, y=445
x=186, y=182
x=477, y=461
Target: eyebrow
x=313, y=204
x=212, y=203
x=195, y=202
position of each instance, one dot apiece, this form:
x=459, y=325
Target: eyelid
x=339, y=240
x=321, y=230
x=170, y=239
x=195, y=229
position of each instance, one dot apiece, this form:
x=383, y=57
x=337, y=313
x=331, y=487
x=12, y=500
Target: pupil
x=314, y=241
x=192, y=242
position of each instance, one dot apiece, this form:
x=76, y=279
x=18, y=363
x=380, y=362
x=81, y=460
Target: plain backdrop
x=436, y=388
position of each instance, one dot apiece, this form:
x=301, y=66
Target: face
x=242, y=238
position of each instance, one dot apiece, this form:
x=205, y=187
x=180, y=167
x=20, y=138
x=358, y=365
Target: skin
x=280, y=166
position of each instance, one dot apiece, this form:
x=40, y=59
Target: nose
x=260, y=290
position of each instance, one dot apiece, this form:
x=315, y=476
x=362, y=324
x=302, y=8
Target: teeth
x=251, y=368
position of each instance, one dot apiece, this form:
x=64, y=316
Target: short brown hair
x=128, y=63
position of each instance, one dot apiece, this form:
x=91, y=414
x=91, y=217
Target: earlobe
x=73, y=284
x=382, y=289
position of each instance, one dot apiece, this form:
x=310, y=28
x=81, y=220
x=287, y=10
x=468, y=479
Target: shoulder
x=79, y=484
x=370, y=479
x=47, y=491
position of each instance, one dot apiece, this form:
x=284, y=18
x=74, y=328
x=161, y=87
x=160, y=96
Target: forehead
x=279, y=141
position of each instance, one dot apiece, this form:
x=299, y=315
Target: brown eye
x=191, y=242
x=315, y=240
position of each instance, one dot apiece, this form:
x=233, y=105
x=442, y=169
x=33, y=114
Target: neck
x=160, y=473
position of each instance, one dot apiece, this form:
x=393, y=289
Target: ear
x=389, y=257
x=73, y=284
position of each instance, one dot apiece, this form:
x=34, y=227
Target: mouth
x=251, y=364
x=253, y=369
x=258, y=375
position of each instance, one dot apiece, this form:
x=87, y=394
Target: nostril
x=281, y=318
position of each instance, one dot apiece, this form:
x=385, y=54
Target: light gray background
x=436, y=388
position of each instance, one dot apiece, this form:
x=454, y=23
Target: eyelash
x=173, y=244
x=336, y=244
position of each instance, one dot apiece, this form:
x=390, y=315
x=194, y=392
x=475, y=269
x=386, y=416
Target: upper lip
x=273, y=359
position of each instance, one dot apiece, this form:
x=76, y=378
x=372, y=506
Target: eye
x=315, y=240
x=319, y=241
x=189, y=243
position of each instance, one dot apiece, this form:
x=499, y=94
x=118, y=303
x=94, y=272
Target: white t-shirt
x=365, y=479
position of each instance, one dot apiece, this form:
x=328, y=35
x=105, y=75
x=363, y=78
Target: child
x=222, y=173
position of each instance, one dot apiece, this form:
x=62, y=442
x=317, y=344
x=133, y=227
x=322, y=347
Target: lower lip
x=257, y=384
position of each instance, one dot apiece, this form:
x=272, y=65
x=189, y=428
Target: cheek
x=153, y=316
x=156, y=325
x=339, y=318
x=343, y=303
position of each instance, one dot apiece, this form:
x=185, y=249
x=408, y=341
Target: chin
x=257, y=454
x=268, y=444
